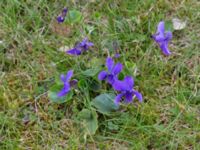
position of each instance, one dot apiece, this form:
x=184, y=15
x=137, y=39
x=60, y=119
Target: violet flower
x=162, y=38
x=61, y=17
x=112, y=73
x=125, y=87
x=80, y=47
x=67, y=83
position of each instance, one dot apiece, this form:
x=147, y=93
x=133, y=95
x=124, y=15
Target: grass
x=30, y=60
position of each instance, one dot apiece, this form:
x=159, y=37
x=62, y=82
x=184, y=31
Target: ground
x=169, y=117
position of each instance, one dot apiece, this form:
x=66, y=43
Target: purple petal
x=129, y=81
x=63, y=78
x=158, y=38
x=164, y=48
x=69, y=75
x=60, y=19
x=128, y=97
x=160, y=33
x=110, y=79
x=84, y=45
x=138, y=95
x=84, y=48
x=74, y=51
x=168, y=35
x=109, y=63
x=90, y=44
x=117, y=69
x=124, y=85
x=118, y=99
x=73, y=83
x=119, y=85
x=65, y=11
x=102, y=75
x=64, y=90
x=84, y=41
x=161, y=28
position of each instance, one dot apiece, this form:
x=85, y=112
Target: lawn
x=32, y=56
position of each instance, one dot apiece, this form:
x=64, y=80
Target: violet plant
x=163, y=37
x=67, y=84
x=104, y=103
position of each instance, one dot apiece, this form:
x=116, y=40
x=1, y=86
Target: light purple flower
x=80, y=47
x=112, y=73
x=66, y=83
x=61, y=17
x=162, y=38
x=125, y=87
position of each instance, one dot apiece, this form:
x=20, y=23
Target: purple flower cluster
x=162, y=38
x=124, y=87
x=80, y=47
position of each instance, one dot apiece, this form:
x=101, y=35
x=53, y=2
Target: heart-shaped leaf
x=89, y=119
x=105, y=103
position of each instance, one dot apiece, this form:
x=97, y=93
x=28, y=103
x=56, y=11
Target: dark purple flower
x=112, y=73
x=162, y=38
x=74, y=51
x=125, y=87
x=66, y=83
x=61, y=17
x=80, y=47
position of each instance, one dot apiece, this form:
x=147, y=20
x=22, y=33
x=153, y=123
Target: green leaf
x=105, y=103
x=52, y=94
x=74, y=16
x=91, y=72
x=89, y=119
